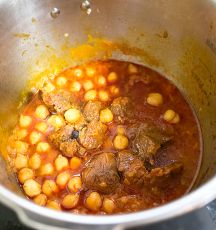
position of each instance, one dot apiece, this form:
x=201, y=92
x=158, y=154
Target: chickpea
x=42, y=112
x=21, y=161
x=61, y=162
x=74, y=184
x=114, y=90
x=21, y=147
x=112, y=77
x=49, y=87
x=53, y=205
x=78, y=73
x=70, y=201
x=123, y=199
x=25, y=174
x=62, y=179
x=108, y=205
x=61, y=81
x=72, y=115
x=120, y=142
x=34, y=137
x=90, y=72
x=47, y=169
x=25, y=121
x=120, y=130
x=32, y=188
x=101, y=80
x=90, y=95
x=176, y=119
x=35, y=161
x=132, y=69
x=42, y=127
x=155, y=99
x=103, y=95
x=106, y=115
x=87, y=85
x=42, y=147
x=21, y=134
x=75, y=163
x=93, y=201
x=171, y=116
x=41, y=199
x=75, y=86
x=49, y=187
x=57, y=121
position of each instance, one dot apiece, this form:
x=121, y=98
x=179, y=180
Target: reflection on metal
x=86, y=6
x=55, y=12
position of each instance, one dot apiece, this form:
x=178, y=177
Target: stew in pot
x=106, y=137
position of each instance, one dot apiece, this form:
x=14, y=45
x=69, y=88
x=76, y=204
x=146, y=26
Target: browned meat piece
x=129, y=203
x=135, y=174
x=173, y=168
x=71, y=148
x=63, y=140
x=62, y=135
x=132, y=169
x=135, y=78
x=121, y=108
x=149, y=138
x=159, y=176
x=101, y=173
x=91, y=110
x=58, y=101
x=92, y=136
x=80, y=124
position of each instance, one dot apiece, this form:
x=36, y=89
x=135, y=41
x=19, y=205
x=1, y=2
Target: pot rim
x=194, y=200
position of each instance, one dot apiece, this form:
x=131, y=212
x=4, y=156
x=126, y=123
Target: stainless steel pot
x=177, y=38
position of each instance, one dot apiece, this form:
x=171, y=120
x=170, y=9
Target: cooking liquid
x=185, y=147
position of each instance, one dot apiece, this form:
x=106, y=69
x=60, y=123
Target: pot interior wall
x=177, y=38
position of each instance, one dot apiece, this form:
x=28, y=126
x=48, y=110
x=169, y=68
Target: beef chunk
x=92, y=136
x=80, y=124
x=161, y=175
x=91, y=110
x=62, y=135
x=121, y=108
x=173, y=168
x=129, y=203
x=137, y=78
x=58, y=101
x=136, y=176
x=101, y=173
x=132, y=169
x=63, y=140
x=71, y=148
x=148, y=138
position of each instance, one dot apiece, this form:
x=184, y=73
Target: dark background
x=203, y=219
